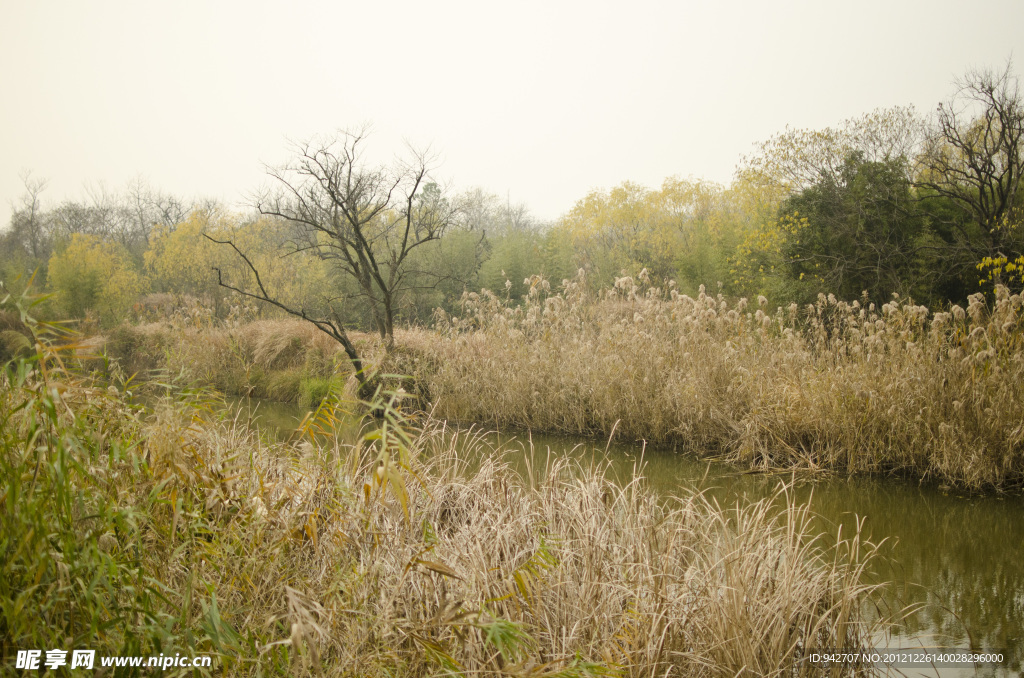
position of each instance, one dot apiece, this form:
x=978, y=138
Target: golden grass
x=843, y=386
x=838, y=386
x=284, y=359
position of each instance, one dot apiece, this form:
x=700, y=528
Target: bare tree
x=488, y=214
x=363, y=220
x=973, y=153
x=28, y=222
x=144, y=208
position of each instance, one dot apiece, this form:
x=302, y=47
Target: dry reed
x=842, y=386
x=560, y=574
x=186, y=533
x=285, y=359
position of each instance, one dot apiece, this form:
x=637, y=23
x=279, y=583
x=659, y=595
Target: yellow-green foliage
x=763, y=250
x=1003, y=268
x=834, y=385
x=300, y=279
x=94, y=275
x=682, y=230
x=181, y=260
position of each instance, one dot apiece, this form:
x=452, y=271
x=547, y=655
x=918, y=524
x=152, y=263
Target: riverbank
x=836, y=386
x=186, y=533
x=845, y=387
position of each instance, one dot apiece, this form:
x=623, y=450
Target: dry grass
x=183, y=532
x=839, y=386
x=285, y=360
x=567, y=571
x=295, y=559
x=836, y=385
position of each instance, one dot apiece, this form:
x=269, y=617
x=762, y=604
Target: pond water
x=955, y=560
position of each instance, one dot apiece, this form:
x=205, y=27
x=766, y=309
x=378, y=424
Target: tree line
x=889, y=202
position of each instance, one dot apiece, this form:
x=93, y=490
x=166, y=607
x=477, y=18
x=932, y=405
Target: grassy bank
x=185, y=533
x=284, y=360
x=843, y=386
x=840, y=386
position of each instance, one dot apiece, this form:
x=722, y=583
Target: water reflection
x=957, y=560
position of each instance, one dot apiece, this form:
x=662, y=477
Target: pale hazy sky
x=541, y=101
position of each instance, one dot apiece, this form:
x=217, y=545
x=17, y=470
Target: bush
x=15, y=338
x=134, y=351
x=91, y=275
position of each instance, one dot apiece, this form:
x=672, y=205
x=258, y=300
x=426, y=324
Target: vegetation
x=891, y=201
x=843, y=231
x=851, y=387
x=412, y=549
x=93, y=276
x=186, y=533
x=840, y=386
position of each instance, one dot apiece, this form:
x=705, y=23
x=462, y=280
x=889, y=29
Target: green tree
x=439, y=272
x=856, y=230
x=514, y=256
x=180, y=260
x=844, y=217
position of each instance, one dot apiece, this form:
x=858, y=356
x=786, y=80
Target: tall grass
x=843, y=386
x=846, y=386
x=184, y=532
x=284, y=360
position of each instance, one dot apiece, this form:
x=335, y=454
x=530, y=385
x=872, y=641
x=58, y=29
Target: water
x=956, y=561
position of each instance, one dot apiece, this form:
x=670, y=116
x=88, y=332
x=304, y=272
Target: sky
x=538, y=102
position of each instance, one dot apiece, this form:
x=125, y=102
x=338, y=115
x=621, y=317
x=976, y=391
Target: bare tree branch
x=973, y=153
x=332, y=327
x=365, y=221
